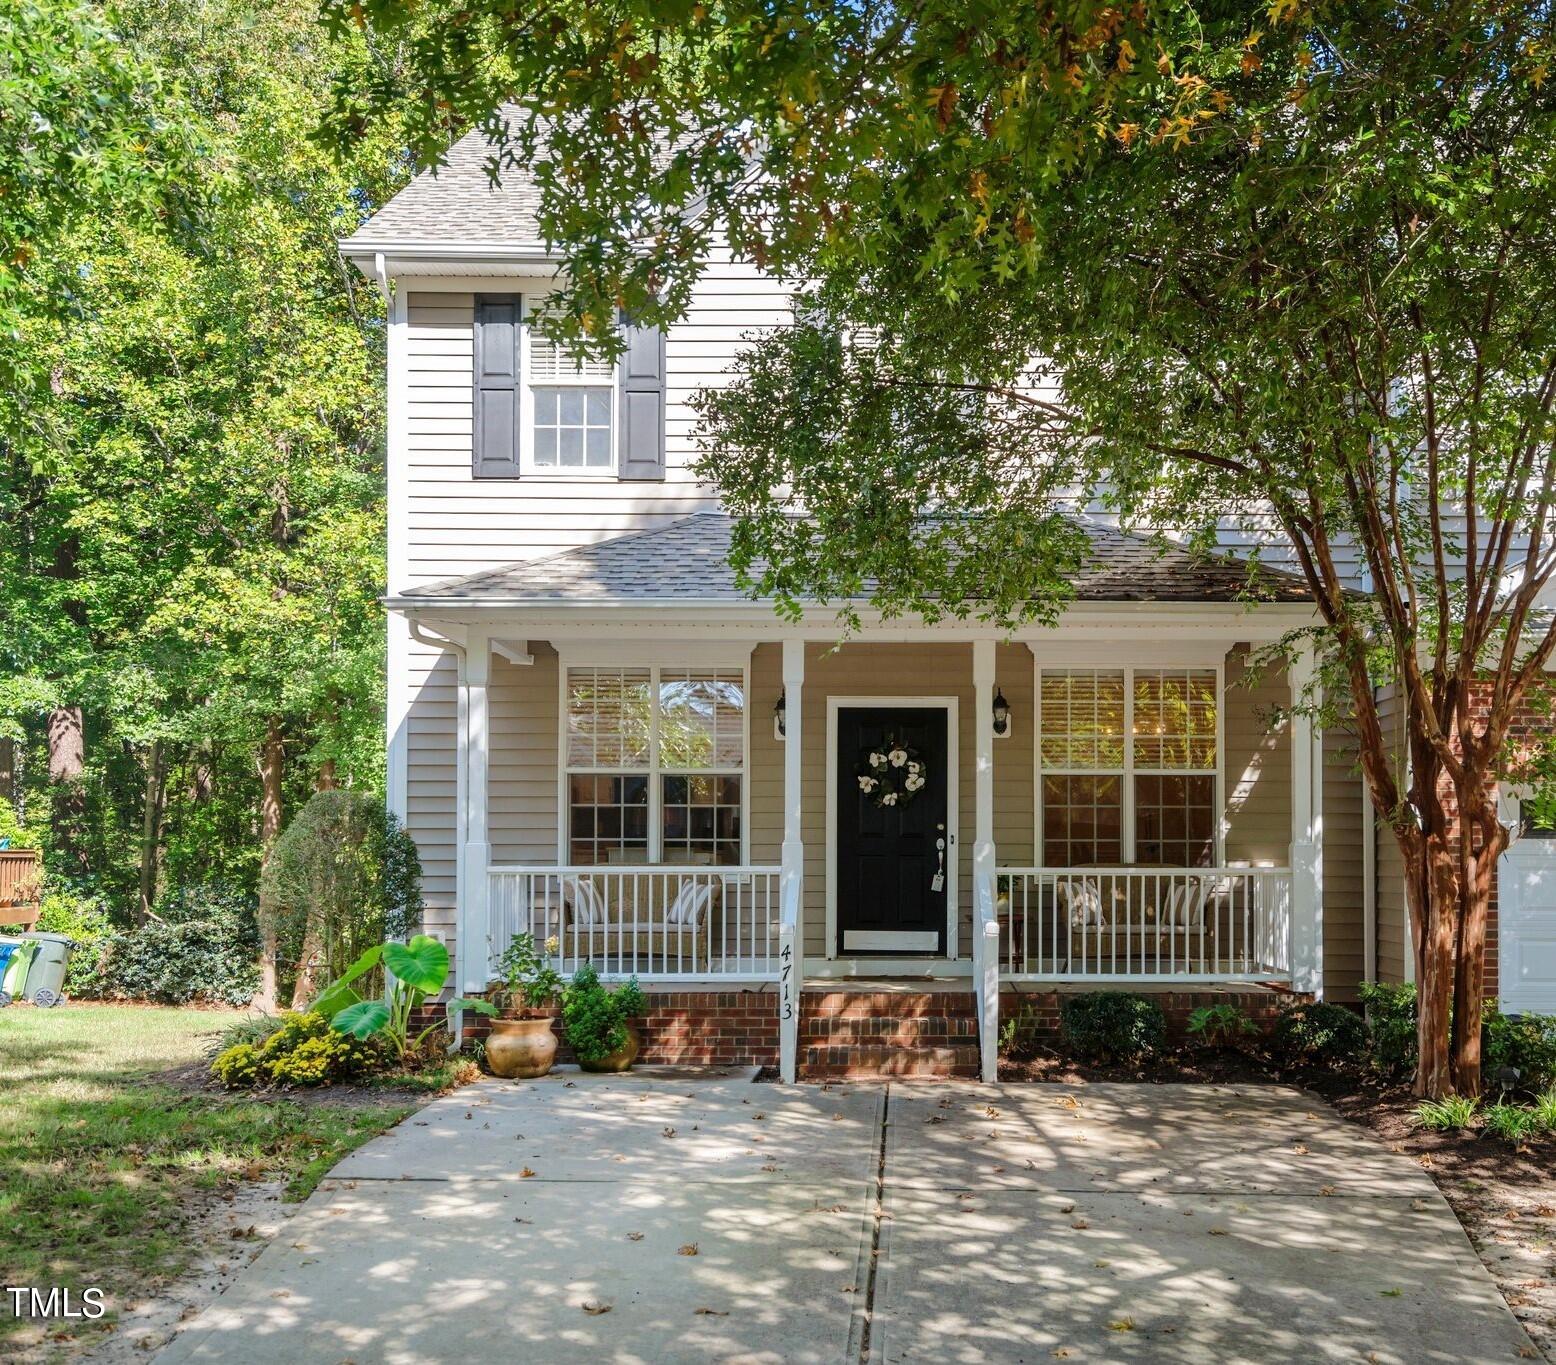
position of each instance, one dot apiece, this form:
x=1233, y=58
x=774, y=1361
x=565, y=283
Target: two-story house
x=834, y=857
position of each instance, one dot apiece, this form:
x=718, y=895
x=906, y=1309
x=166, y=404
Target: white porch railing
x=653, y=922
x=1145, y=924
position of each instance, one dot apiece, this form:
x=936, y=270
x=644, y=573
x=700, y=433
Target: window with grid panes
x=572, y=409
x=1162, y=774
x=656, y=762
x=1082, y=753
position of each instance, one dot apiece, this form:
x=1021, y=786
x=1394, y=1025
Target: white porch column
x=791, y=947
x=985, y=946
x=1307, y=837
x=476, y=855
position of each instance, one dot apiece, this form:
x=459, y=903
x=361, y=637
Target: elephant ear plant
x=415, y=970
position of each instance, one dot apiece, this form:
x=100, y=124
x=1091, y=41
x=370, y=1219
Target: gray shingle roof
x=458, y=203
x=688, y=560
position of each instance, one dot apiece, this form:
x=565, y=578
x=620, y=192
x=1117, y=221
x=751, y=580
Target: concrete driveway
x=664, y=1217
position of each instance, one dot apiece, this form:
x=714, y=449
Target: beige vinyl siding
x=457, y=525
x=431, y=781
x=524, y=702
x=1345, y=920
x=1258, y=764
x=1393, y=915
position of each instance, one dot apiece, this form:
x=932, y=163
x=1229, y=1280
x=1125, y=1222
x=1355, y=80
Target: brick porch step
x=863, y=1063
x=865, y=1034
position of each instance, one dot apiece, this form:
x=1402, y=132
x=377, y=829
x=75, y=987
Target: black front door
x=891, y=869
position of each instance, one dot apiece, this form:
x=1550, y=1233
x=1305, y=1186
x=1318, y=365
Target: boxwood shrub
x=1111, y=1026
x=1316, y=1031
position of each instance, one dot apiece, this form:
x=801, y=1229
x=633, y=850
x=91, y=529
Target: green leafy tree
x=1286, y=264
x=192, y=504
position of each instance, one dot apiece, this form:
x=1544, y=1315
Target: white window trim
x=655, y=665
x=1129, y=771
x=527, y=384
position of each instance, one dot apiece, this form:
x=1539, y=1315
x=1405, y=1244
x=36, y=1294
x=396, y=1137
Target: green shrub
x=1525, y=1044
x=1391, y=1024
x=1103, y=1026
x=344, y=876
x=237, y=1065
x=1512, y=1123
x=1319, y=1032
x=594, y=1018
x=253, y=1029
x=202, y=945
x=1544, y=1109
x=1220, y=1025
x=1450, y=1114
x=301, y=1049
x=84, y=919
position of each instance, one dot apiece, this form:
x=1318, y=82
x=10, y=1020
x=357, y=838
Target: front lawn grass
x=103, y=1165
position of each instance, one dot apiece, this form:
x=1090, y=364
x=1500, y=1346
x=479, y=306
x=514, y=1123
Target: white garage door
x=1526, y=924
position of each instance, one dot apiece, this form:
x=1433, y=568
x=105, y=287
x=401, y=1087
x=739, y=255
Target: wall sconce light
x=781, y=716
x=1001, y=714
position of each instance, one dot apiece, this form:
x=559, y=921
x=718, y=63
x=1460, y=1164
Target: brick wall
x=690, y=1028
x=1262, y=1005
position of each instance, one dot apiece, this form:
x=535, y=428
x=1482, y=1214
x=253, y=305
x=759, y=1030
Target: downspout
x=381, y=275
x=440, y=643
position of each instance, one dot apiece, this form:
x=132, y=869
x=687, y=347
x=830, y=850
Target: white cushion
x=587, y=907
x=690, y=904
x=1083, y=899
x=1185, y=906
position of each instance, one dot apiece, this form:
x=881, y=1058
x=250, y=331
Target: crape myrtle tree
x=1285, y=263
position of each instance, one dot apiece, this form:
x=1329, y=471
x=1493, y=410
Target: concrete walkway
x=657, y=1217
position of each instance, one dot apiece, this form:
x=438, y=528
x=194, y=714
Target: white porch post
x=985, y=946
x=1307, y=837
x=791, y=950
x=471, y=949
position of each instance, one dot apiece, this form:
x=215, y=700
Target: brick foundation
x=869, y=1033
x=1261, y=1005
x=688, y=1028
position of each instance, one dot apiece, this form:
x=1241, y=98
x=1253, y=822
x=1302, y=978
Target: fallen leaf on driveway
x=667, y=1132
x=690, y=1249
x=526, y=1173
x=1218, y=1232
x=1080, y=1224
x=1122, y=1325
x=595, y=1309
x=711, y=1313
x=634, y=1236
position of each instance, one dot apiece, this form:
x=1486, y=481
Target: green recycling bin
x=46, y=975
x=14, y=982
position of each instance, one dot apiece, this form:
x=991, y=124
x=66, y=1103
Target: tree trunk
x=1477, y=816
x=271, y=770
x=326, y=781
x=67, y=769
x=8, y=772
x=1432, y=897
x=151, y=826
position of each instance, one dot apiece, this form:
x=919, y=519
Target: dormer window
x=539, y=413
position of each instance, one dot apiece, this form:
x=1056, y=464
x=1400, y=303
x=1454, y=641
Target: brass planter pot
x=521, y=1049
x=621, y=1058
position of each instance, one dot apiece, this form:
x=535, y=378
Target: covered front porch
x=695, y=817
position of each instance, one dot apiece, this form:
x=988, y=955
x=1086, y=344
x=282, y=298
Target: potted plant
x=595, y=1020
x=522, y=1045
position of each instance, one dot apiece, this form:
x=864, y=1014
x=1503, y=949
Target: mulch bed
x=1506, y=1200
